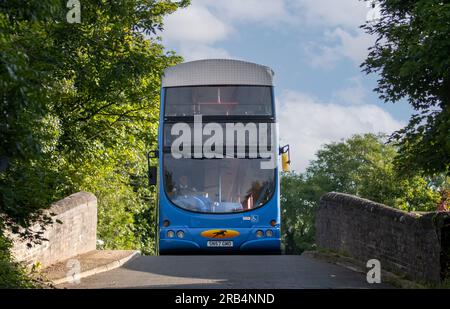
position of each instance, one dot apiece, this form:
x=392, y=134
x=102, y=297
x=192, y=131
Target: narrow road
x=222, y=272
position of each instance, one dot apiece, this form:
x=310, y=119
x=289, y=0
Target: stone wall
x=76, y=234
x=411, y=244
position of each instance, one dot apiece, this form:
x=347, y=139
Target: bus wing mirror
x=152, y=170
x=285, y=158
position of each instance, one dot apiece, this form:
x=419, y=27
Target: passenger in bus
x=183, y=187
x=188, y=197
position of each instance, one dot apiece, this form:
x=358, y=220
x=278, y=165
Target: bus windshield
x=217, y=185
x=218, y=101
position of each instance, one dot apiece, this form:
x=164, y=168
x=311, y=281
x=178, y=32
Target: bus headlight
x=269, y=233
x=170, y=234
x=180, y=234
x=259, y=233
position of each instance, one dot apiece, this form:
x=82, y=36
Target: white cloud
x=195, y=30
x=342, y=38
x=354, y=93
x=354, y=47
x=306, y=124
x=192, y=52
x=266, y=11
x=345, y=13
x=346, y=45
x=195, y=24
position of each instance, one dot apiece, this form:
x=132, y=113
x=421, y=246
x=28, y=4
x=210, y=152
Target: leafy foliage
x=298, y=204
x=362, y=165
x=12, y=274
x=411, y=55
x=79, y=110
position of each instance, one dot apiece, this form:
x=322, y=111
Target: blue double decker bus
x=218, y=176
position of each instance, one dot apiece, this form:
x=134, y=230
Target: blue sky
x=315, y=48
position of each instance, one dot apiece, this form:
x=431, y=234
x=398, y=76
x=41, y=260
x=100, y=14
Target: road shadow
x=218, y=271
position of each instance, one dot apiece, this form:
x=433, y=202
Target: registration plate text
x=220, y=243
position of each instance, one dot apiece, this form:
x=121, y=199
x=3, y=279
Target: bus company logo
x=218, y=140
x=219, y=233
x=253, y=218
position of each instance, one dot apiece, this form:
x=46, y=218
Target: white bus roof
x=217, y=72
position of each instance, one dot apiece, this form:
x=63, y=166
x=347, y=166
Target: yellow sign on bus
x=219, y=233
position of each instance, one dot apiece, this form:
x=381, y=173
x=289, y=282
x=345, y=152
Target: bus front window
x=218, y=101
x=217, y=186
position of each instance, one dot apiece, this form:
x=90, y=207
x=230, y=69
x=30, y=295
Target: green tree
x=107, y=104
x=79, y=110
x=298, y=200
x=411, y=55
x=364, y=166
x=13, y=275
x=28, y=174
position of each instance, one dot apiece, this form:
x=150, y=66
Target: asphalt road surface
x=222, y=272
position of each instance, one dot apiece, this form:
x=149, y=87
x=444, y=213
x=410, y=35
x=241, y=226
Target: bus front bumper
x=194, y=244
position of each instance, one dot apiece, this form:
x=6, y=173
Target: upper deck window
x=219, y=101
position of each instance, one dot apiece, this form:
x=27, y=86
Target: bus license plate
x=220, y=243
